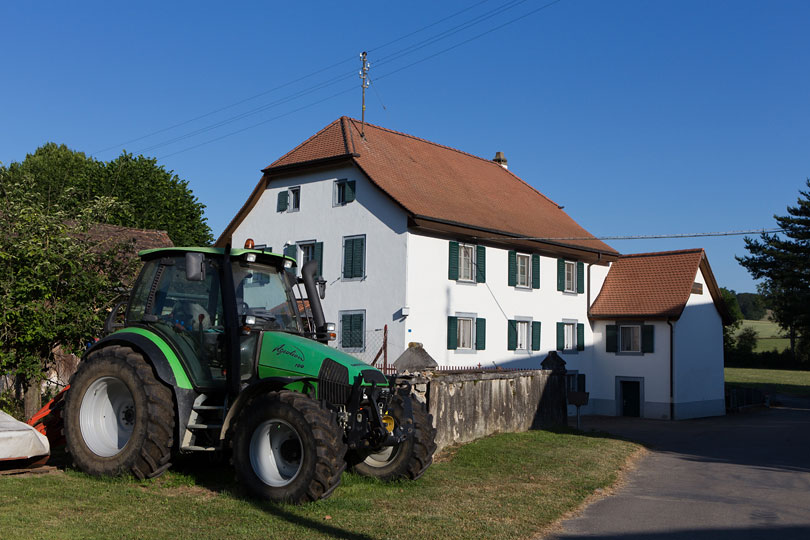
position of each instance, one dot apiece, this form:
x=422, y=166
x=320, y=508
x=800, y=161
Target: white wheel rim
x=276, y=453
x=383, y=457
x=107, y=416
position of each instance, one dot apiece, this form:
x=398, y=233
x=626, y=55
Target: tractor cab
x=182, y=295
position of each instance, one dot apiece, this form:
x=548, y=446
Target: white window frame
x=526, y=335
x=528, y=260
x=362, y=312
x=569, y=341
x=630, y=349
x=462, y=320
x=462, y=248
x=571, y=284
x=294, y=199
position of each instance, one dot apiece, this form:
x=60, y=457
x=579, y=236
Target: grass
x=769, y=334
x=505, y=486
x=773, y=381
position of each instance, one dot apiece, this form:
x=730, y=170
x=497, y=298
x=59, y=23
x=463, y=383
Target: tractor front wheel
x=118, y=417
x=409, y=459
x=288, y=447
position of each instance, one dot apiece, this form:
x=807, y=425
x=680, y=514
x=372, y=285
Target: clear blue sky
x=640, y=117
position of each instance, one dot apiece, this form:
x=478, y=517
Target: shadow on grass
x=218, y=476
x=794, y=390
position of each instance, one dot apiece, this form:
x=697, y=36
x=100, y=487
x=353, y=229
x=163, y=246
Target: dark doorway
x=631, y=398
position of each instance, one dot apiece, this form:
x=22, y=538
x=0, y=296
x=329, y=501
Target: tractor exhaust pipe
x=308, y=272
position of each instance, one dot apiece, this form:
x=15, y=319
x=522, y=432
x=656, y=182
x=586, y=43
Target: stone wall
x=470, y=405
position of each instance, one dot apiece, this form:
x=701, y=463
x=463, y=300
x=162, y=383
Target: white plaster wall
x=699, y=354
x=432, y=297
x=653, y=367
x=382, y=292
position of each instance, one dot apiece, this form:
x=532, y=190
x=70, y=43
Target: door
x=631, y=398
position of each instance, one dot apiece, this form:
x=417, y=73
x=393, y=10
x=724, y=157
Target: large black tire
x=118, y=417
x=288, y=447
x=411, y=458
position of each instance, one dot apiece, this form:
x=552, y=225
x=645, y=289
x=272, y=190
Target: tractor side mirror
x=195, y=267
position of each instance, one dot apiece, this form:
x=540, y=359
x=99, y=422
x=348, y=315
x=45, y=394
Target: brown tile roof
x=653, y=285
x=437, y=183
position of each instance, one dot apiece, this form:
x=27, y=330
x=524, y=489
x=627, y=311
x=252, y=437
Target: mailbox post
x=578, y=399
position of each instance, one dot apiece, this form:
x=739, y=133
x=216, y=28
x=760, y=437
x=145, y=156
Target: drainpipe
x=671, y=370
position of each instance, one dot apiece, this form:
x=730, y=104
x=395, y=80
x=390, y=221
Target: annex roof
x=437, y=184
x=654, y=286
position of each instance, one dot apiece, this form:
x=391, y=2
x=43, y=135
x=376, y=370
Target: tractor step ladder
x=204, y=423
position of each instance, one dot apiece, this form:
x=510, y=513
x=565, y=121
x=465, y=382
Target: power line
x=641, y=236
x=289, y=83
x=334, y=80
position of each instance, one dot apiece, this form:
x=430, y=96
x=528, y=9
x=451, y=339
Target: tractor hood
x=284, y=355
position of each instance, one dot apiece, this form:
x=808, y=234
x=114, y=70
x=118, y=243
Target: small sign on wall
x=697, y=288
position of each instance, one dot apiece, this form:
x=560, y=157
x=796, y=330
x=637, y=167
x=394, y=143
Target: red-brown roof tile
x=652, y=285
x=438, y=183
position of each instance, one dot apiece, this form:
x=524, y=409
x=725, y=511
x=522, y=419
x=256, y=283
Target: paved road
x=741, y=476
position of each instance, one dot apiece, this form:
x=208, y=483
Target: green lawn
x=774, y=381
x=505, y=486
x=769, y=333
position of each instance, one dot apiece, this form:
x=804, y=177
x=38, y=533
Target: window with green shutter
x=580, y=277
x=560, y=274
x=560, y=336
x=580, y=337
x=511, y=335
x=612, y=338
x=647, y=338
x=344, y=192
x=512, y=277
x=452, y=333
x=354, y=255
x=352, y=330
x=310, y=251
x=570, y=336
x=452, y=263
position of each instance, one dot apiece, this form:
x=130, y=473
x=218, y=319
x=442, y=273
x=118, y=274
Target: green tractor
x=216, y=354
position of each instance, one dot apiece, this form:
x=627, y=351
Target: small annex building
x=438, y=247
x=658, y=333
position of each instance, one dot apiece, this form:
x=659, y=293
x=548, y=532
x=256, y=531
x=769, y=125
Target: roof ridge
x=485, y=160
x=308, y=140
x=662, y=253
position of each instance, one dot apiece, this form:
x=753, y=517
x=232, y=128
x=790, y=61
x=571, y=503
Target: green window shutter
x=480, y=264
x=358, y=257
x=452, y=333
x=283, y=198
x=560, y=336
x=350, y=190
x=560, y=274
x=452, y=272
x=319, y=257
x=535, y=271
x=348, y=252
x=580, y=277
x=480, y=334
x=535, y=335
x=512, y=268
x=345, y=330
x=612, y=338
x=580, y=337
x=357, y=330
x=647, y=338
x=511, y=341
x=291, y=251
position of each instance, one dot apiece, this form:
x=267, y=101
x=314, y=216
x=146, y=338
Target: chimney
x=500, y=159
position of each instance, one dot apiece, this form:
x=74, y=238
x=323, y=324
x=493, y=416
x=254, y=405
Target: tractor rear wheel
x=118, y=417
x=288, y=447
x=409, y=459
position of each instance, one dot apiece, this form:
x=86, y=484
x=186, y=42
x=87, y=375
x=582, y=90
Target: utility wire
x=289, y=83
x=323, y=85
x=641, y=236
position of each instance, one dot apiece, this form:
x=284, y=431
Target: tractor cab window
x=188, y=313
x=262, y=293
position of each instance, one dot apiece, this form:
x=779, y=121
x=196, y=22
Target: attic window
x=697, y=288
x=344, y=192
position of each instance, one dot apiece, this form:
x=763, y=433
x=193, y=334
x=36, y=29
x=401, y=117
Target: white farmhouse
x=457, y=253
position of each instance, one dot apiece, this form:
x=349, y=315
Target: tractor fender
x=149, y=345
x=261, y=387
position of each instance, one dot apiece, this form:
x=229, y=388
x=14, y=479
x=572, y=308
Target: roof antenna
x=365, y=65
